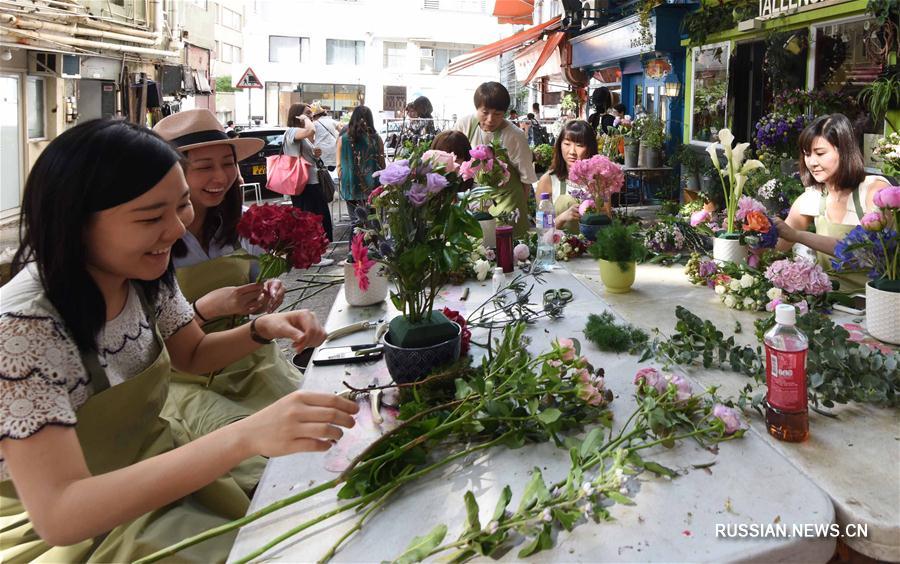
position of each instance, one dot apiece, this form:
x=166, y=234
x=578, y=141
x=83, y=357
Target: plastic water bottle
x=787, y=415
x=545, y=221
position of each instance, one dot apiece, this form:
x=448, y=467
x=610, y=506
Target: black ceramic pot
x=407, y=365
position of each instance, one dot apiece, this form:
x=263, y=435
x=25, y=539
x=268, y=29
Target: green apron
x=511, y=196
x=562, y=203
x=849, y=281
x=119, y=426
x=203, y=403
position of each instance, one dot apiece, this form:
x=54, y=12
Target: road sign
x=249, y=80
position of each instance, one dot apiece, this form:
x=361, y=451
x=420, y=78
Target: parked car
x=253, y=169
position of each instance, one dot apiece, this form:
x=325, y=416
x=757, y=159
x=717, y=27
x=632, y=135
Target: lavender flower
x=396, y=173
x=435, y=182
x=729, y=417
x=417, y=195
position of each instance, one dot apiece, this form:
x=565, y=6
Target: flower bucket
x=883, y=314
x=631, y=155
x=691, y=184
x=614, y=278
x=651, y=157
x=729, y=250
x=377, y=291
x=489, y=232
x=407, y=365
x=707, y=184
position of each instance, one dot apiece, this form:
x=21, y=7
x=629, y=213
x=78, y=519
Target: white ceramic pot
x=489, y=232
x=883, y=314
x=377, y=291
x=729, y=250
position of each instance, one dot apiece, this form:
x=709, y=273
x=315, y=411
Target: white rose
x=749, y=303
x=747, y=281
x=773, y=293
x=735, y=285
x=720, y=290
x=481, y=268
x=729, y=301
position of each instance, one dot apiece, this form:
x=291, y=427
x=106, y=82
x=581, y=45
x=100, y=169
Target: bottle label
x=786, y=379
x=544, y=220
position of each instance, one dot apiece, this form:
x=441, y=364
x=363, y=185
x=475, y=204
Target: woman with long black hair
x=360, y=153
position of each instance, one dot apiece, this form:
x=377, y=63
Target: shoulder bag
x=286, y=174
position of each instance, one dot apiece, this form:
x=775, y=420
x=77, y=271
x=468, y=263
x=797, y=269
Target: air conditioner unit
x=44, y=64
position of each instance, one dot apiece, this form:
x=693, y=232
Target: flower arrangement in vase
x=729, y=245
x=423, y=238
x=602, y=178
x=873, y=246
x=488, y=167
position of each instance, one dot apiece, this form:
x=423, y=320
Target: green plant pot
x=614, y=278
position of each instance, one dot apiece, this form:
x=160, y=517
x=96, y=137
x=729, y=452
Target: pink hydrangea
x=586, y=206
x=798, y=277
x=746, y=205
x=602, y=176
x=699, y=217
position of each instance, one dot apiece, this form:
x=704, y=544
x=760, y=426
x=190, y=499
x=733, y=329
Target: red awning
x=514, y=11
x=549, y=48
x=497, y=48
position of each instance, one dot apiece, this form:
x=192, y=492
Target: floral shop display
x=887, y=150
x=631, y=140
x=874, y=248
x=617, y=249
x=543, y=157
x=488, y=166
x=778, y=135
x=568, y=247
x=730, y=245
x=653, y=137
x=290, y=237
x=423, y=238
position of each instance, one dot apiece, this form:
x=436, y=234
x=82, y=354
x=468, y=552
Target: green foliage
x=838, y=370
x=543, y=155
x=223, y=84
x=689, y=159
x=652, y=131
x=618, y=243
x=883, y=94
x=716, y=17
x=603, y=331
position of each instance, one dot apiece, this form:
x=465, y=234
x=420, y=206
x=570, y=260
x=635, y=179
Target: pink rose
x=651, y=378
x=465, y=171
x=481, y=152
x=441, y=158
x=585, y=207
x=567, y=349
x=699, y=217
x=872, y=221
x=682, y=387
x=888, y=198
x=729, y=417
x=521, y=252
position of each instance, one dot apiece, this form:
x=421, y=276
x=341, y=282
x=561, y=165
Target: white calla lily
x=713, y=154
x=751, y=165
x=726, y=138
x=738, y=155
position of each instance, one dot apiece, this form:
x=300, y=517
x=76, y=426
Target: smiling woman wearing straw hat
x=214, y=273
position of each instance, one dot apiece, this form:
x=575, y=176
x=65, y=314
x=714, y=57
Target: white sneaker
x=324, y=262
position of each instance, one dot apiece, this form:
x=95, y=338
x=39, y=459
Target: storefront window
x=280, y=96
x=36, y=119
x=710, y=85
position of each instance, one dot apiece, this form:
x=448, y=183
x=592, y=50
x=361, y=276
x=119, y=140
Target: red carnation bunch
x=291, y=237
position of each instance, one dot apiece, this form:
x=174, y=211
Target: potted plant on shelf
x=729, y=244
x=422, y=240
x=690, y=170
x=653, y=137
x=873, y=247
x=618, y=248
x=625, y=128
x=489, y=168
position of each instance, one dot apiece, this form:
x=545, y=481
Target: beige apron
x=119, y=426
x=849, y=281
x=511, y=195
x=203, y=403
x=561, y=204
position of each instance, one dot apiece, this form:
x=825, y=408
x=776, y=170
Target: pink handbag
x=286, y=174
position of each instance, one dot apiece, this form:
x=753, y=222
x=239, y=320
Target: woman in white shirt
x=838, y=193
x=576, y=142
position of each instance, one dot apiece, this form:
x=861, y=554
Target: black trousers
x=313, y=201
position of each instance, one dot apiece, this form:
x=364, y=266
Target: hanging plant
x=645, y=11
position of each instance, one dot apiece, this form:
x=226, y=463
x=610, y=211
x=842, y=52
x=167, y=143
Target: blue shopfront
x=642, y=66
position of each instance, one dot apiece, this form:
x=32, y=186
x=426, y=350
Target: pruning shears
x=374, y=393
x=558, y=297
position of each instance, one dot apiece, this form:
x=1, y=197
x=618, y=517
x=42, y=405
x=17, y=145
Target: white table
x=855, y=459
x=672, y=521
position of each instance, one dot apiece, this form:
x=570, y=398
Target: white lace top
x=42, y=378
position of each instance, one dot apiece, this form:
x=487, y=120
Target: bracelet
x=254, y=334
x=197, y=312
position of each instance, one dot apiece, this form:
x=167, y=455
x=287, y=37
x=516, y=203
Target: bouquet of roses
x=601, y=176
x=759, y=231
x=798, y=282
x=425, y=234
x=741, y=289
x=292, y=238
x=572, y=246
x=873, y=245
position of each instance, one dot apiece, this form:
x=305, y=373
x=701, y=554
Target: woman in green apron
x=838, y=194
x=576, y=142
x=489, y=123
x=90, y=326
x=215, y=274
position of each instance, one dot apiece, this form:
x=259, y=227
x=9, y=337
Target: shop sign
x=769, y=8
x=615, y=41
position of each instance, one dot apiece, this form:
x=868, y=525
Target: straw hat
x=199, y=128
x=317, y=110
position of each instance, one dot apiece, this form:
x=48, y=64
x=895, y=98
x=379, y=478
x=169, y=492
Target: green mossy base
x=424, y=334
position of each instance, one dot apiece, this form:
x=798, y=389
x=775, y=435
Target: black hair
x=536, y=107
x=362, y=124
x=229, y=123
x=578, y=131
x=222, y=219
x=530, y=116
x=422, y=106
x=601, y=99
x=493, y=96
x=81, y=172
x=620, y=108
x=837, y=130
